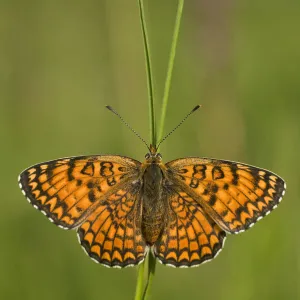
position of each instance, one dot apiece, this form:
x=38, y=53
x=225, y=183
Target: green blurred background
x=62, y=61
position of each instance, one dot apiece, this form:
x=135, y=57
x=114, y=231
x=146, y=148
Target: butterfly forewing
x=190, y=237
x=235, y=195
x=68, y=190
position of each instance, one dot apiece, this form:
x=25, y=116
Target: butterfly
x=122, y=208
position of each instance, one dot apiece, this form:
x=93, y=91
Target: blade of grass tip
x=149, y=74
x=170, y=68
x=151, y=273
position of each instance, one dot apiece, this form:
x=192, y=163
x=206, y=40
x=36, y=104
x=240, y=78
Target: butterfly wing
x=190, y=237
x=111, y=235
x=235, y=195
x=68, y=190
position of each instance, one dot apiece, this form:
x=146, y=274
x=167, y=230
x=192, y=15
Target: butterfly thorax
x=153, y=211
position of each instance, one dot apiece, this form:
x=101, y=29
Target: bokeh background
x=62, y=61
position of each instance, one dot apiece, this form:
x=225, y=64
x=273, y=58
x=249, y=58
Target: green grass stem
x=141, y=292
x=170, y=68
x=152, y=124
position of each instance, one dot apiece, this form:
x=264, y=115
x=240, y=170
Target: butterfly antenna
x=113, y=111
x=193, y=110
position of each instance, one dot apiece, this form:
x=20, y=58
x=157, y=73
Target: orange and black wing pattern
x=94, y=194
x=68, y=190
x=233, y=194
x=190, y=236
x=111, y=235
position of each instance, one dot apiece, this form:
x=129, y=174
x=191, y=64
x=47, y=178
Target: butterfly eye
x=147, y=156
x=158, y=155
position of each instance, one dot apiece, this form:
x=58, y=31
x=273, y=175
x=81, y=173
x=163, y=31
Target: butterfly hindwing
x=235, y=195
x=190, y=237
x=112, y=235
x=67, y=190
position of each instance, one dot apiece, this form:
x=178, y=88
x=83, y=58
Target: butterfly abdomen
x=153, y=211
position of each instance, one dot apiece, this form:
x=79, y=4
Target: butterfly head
x=153, y=156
